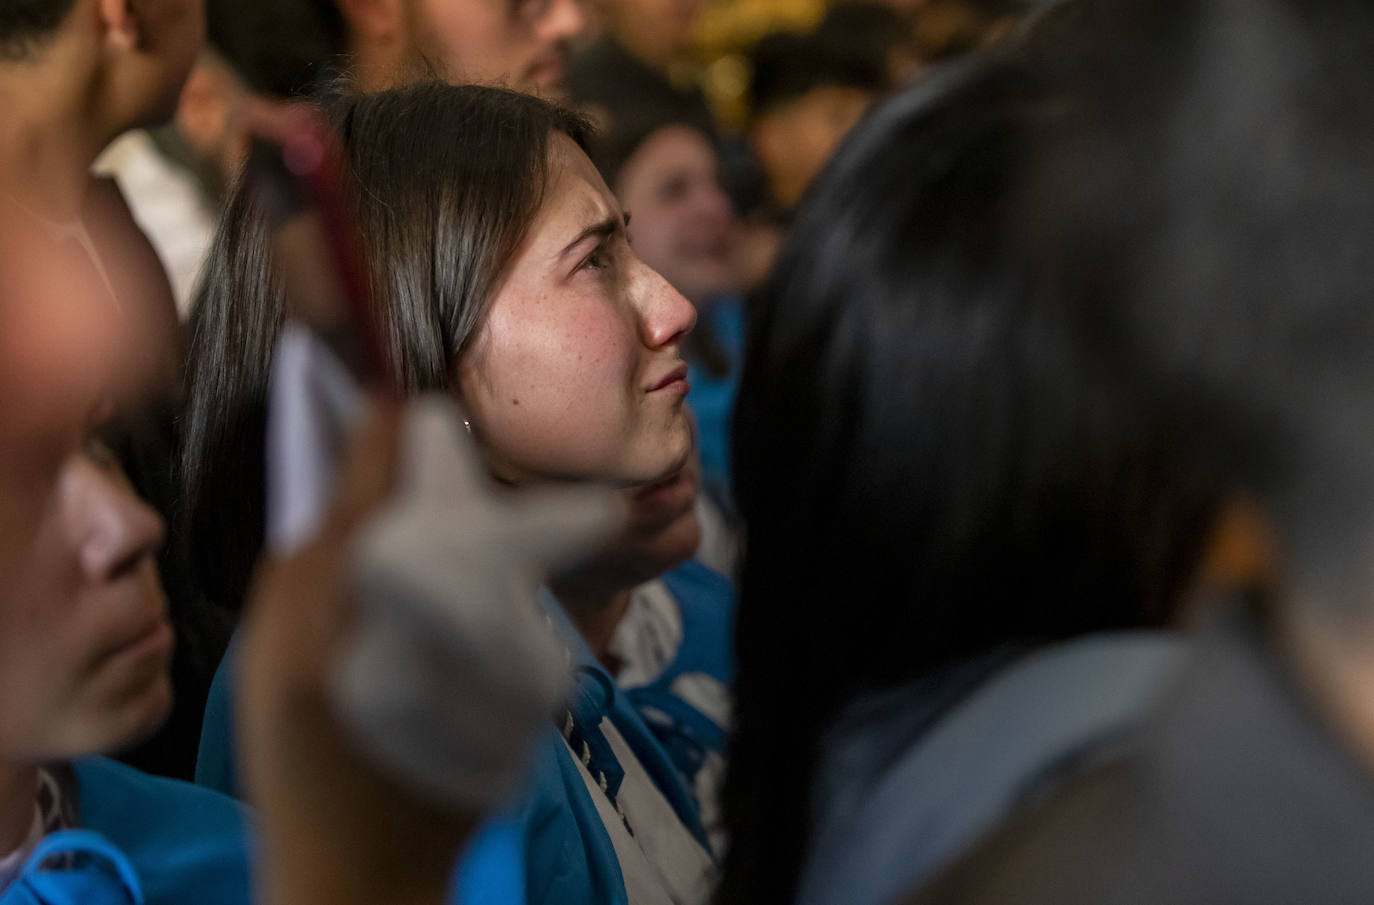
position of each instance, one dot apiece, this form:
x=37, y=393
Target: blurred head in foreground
x=1037, y=327
x=85, y=644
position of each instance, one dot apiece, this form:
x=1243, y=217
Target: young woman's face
x=84, y=639
x=576, y=372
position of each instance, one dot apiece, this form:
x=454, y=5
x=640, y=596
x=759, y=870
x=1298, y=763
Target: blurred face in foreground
x=84, y=641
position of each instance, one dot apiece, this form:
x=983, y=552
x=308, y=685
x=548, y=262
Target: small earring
x=467, y=425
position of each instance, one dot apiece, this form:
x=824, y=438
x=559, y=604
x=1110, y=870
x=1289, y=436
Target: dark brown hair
x=25, y=25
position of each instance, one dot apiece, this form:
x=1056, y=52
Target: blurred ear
x=120, y=24
x=1243, y=551
x=202, y=115
x=373, y=18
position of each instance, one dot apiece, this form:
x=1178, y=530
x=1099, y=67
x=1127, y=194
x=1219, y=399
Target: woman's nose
x=665, y=314
x=113, y=528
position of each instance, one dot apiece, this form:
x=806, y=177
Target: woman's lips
x=674, y=381
x=156, y=640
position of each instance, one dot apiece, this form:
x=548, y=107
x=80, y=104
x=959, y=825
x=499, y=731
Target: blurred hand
x=421, y=568
x=451, y=665
x=333, y=828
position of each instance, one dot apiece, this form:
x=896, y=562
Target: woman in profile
x=499, y=263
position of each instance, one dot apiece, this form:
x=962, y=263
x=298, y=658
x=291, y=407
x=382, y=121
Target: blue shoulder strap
x=75, y=867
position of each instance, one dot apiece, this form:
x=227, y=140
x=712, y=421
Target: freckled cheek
x=562, y=385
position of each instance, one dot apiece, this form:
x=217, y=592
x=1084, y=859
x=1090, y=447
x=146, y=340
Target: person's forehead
x=675, y=145
x=577, y=196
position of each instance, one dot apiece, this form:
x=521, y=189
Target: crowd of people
x=442, y=461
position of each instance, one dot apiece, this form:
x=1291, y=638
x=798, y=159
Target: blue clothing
x=553, y=846
x=215, y=756
x=712, y=399
x=706, y=601
x=144, y=839
x=491, y=869
x=906, y=786
x=570, y=858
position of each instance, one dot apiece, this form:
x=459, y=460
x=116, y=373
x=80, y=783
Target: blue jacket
x=489, y=873
x=552, y=836
x=570, y=859
x=706, y=601
x=144, y=839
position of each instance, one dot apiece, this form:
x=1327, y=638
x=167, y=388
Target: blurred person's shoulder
x=1076, y=847
x=186, y=843
x=1233, y=792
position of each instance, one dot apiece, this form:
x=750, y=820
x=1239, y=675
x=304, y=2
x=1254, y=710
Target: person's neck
x=53, y=132
x=18, y=799
x=377, y=65
x=595, y=609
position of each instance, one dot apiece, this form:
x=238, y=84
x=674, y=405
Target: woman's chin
x=142, y=715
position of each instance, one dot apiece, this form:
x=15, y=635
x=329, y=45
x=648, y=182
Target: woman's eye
x=597, y=260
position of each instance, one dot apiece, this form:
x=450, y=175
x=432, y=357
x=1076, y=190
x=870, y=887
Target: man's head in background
x=654, y=31
x=263, y=51
x=116, y=65
x=806, y=95
x=946, y=29
x=872, y=32
x=256, y=52
x=519, y=44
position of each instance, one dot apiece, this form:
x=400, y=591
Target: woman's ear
x=120, y=24
x=1243, y=551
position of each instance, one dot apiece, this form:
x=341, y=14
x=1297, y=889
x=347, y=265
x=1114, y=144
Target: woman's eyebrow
x=602, y=230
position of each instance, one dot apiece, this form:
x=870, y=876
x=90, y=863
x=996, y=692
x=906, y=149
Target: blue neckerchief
x=75, y=867
x=595, y=696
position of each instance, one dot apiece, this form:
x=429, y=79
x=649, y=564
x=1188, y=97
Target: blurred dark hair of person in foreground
x=1214, y=197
